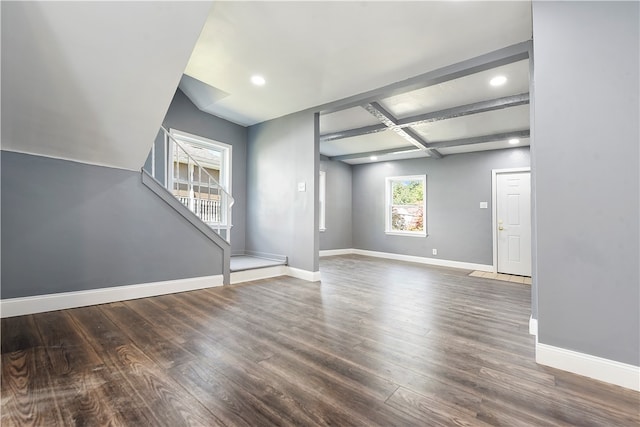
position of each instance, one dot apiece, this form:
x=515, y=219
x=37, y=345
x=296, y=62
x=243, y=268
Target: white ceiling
x=76, y=89
x=312, y=53
x=316, y=53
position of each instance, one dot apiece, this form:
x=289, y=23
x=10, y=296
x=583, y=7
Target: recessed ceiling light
x=373, y=158
x=514, y=141
x=258, y=80
x=498, y=81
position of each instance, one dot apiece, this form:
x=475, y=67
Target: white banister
x=197, y=189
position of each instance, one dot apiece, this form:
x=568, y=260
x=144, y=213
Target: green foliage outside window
x=407, y=206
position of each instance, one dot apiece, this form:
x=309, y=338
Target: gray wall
x=185, y=116
x=587, y=180
x=69, y=226
x=282, y=220
x=338, y=206
x=456, y=185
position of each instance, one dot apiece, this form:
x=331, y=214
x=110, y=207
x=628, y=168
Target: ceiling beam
x=353, y=132
x=407, y=133
x=480, y=139
x=466, y=110
x=378, y=111
x=435, y=153
x=448, y=113
x=497, y=58
x=392, y=123
x=432, y=151
x=373, y=153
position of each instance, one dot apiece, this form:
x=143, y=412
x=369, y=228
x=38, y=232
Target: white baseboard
x=268, y=272
x=309, y=276
x=332, y=252
x=533, y=326
x=606, y=370
x=424, y=260
x=257, y=274
x=51, y=302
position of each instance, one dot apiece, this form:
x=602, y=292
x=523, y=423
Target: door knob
x=501, y=228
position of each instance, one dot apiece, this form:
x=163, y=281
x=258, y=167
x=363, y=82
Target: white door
x=513, y=214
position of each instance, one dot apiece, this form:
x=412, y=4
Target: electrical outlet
x=435, y=251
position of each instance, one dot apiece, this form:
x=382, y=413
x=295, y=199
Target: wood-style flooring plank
x=162, y=401
x=376, y=343
x=28, y=395
x=76, y=373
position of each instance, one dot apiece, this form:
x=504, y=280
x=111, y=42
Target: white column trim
x=533, y=326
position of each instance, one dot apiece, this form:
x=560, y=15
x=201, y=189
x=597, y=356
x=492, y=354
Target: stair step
x=244, y=262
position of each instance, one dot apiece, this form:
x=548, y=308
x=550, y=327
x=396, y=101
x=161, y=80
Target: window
x=406, y=205
x=193, y=183
x=321, y=196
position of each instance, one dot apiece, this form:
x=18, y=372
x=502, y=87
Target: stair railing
x=197, y=189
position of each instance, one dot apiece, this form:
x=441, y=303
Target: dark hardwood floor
x=375, y=343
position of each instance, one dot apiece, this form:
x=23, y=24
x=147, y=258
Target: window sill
x=406, y=234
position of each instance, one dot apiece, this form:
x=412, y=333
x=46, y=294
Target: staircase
x=186, y=182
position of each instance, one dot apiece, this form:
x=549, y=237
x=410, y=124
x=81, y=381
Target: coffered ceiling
x=391, y=79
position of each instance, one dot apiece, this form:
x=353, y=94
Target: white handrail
x=225, y=199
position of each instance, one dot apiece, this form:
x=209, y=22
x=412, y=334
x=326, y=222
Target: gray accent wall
x=183, y=115
x=70, y=226
x=281, y=220
x=587, y=180
x=456, y=226
x=337, y=206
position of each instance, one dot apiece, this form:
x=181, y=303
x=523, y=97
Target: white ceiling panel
x=465, y=90
x=350, y=118
x=364, y=143
x=505, y=120
x=495, y=145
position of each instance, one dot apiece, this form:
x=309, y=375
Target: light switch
x=302, y=186
x=483, y=205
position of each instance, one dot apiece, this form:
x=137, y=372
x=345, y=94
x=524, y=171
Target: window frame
x=226, y=159
x=226, y=153
x=388, y=205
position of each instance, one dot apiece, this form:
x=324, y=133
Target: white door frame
x=494, y=208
